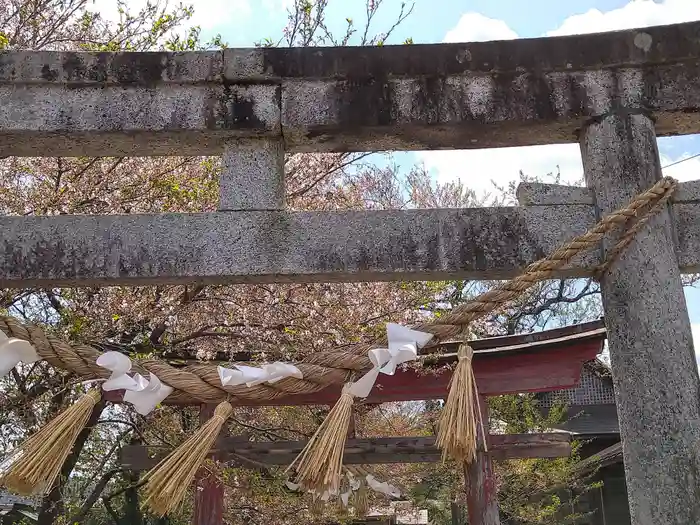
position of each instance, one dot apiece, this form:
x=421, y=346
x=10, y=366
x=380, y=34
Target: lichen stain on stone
x=143, y=69
x=7, y=63
x=428, y=99
x=40, y=259
x=74, y=67
x=464, y=243
x=145, y=262
x=329, y=260
x=363, y=102
x=574, y=96
x=231, y=110
x=643, y=41
x=528, y=92
x=48, y=74
x=76, y=70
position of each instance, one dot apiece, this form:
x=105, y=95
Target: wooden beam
x=553, y=365
x=182, y=355
x=365, y=451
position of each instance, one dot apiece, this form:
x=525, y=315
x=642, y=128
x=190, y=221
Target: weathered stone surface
x=114, y=120
x=617, y=49
x=248, y=247
x=478, y=110
x=540, y=194
x=654, y=369
x=472, y=95
x=138, y=69
x=252, y=175
x=687, y=191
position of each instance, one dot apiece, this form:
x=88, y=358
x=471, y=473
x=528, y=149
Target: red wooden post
x=482, y=500
x=209, y=491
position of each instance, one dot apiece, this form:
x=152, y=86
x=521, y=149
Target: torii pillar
x=653, y=363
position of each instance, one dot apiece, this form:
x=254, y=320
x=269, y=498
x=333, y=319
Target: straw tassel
x=319, y=465
x=360, y=500
x=34, y=467
x=317, y=506
x=460, y=420
x=167, y=483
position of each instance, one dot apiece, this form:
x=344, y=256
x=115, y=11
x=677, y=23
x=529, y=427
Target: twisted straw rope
x=200, y=382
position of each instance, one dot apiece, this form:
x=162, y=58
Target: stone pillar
x=252, y=175
x=482, y=496
x=655, y=374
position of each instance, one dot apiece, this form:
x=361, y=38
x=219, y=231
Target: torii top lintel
x=431, y=96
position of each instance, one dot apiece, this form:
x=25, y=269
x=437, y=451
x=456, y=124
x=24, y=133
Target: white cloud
x=207, y=13
x=475, y=27
x=278, y=5
x=477, y=168
x=637, y=13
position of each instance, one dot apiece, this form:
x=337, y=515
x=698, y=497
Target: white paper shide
x=144, y=394
x=253, y=375
x=14, y=351
x=382, y=487
x=403, y=345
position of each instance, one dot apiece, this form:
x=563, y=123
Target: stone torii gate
x=611, y=93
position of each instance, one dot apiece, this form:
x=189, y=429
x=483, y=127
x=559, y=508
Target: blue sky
x=243, y=22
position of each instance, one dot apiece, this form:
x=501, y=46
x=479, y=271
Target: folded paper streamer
x=292, y=486
x=319, y=465
x=144, y=394
x=353, y=485
x=148, y=394
x=403, y=345
x=325, y=495
x=252, y=375
x=13, y=351
x=382, y=487
x=120, y=366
